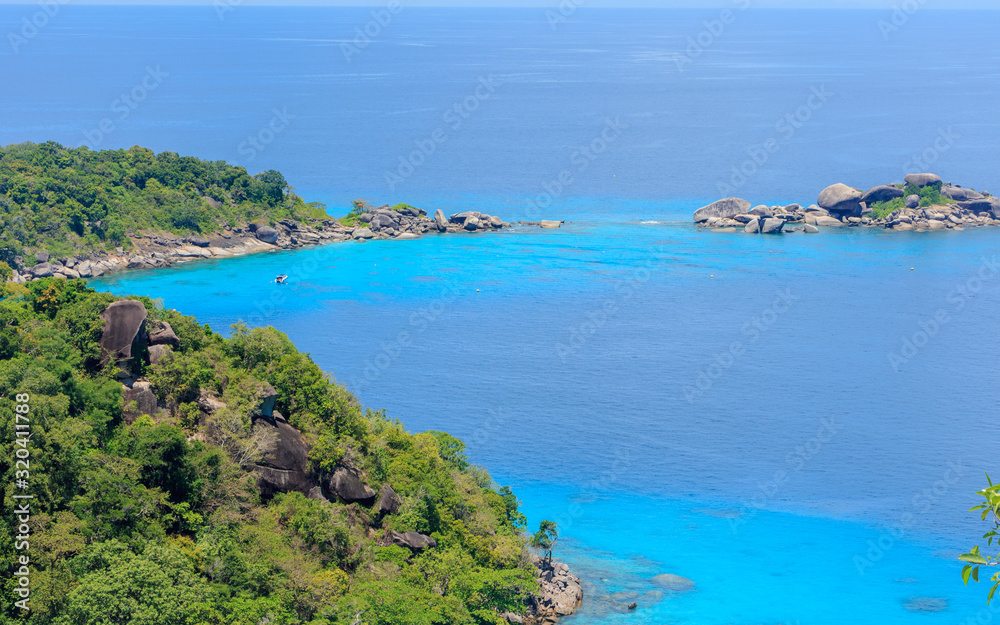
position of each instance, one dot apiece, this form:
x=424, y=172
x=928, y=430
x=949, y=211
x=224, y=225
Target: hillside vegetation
x=70, y=201
x=160, y=519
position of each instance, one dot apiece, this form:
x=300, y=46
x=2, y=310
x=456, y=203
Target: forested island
x=179, y=477
x=77, y=213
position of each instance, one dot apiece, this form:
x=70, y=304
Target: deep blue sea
x=796, y=423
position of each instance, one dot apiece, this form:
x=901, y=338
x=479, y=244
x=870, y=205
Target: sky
x=796, y=4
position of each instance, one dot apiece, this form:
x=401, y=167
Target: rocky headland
x=922, y=203
x=164, y=249
x=131, y=342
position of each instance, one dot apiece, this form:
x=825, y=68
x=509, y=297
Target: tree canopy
x=73, y=200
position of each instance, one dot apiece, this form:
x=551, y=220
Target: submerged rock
x=674, y=583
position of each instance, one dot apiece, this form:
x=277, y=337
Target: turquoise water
x=784, y=420
x=765, y=487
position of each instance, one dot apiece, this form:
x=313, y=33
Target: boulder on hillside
x=124, y=335
x=912, y=201
x=284, y=467
x=841, y=199
x=346, y=485
x=198, y=241
x=440, y=221
x=411, y=540
x=158, y=353
x=923, y=180
x=882, y=193
x=267, y=234
x=139, y=400
x=42, y=256
x=42, y=270
x=960, y=195
x=722, y=209
x=267, y=396
x=164, y=335
x=388, y=501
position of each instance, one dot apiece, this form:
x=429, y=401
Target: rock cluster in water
x=559, y=595
x=842, y=206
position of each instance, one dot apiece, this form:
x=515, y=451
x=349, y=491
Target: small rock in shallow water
x=675, y=583
x=925, y=604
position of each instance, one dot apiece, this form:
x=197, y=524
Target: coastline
x=160, y=249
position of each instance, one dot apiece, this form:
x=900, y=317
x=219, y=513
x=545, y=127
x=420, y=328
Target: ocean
x=798, y=424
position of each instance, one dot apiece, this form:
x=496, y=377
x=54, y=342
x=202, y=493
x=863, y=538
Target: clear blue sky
x=800, y=4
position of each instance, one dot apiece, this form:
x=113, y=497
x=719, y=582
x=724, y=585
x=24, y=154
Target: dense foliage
x=929, y=195
x=161, y=522
x=72, y=200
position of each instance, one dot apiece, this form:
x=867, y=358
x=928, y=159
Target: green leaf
x=975, y=574
x=966, y=570
x=974, y=558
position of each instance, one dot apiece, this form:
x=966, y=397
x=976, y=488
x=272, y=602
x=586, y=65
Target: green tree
x=545, y=538
x=975, y=559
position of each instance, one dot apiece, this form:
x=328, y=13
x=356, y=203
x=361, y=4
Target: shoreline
x=160, y=250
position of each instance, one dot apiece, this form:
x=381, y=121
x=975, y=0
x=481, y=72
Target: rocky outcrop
x=923, y=180
x=124, y=335
x=772, y=226
x=164, y=335
x=411, y=540
x=388, y=502
x=267, y=234
x=841, y=206
x=722, y=209
x=285, y=465
x=158, y=353
x=439, y=220
x=139, y=400
x=842, y=199
x=346, y=485
x=164, y=249
x=882, y=193
x=268, y=396
x=560, y=593
x=961, y=195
